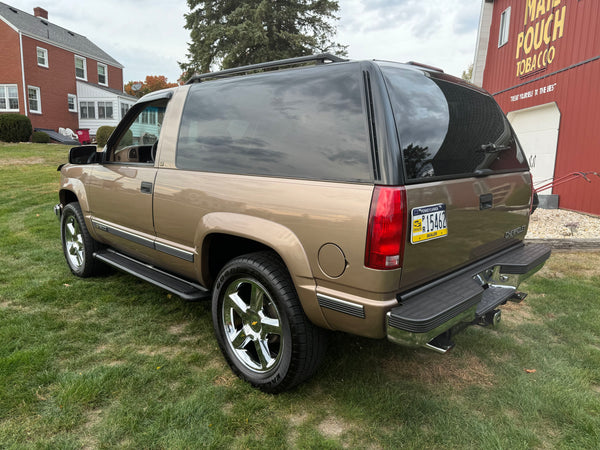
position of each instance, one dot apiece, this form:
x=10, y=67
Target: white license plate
x=428, y=222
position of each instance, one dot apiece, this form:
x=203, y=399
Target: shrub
x=15, y=128
x=127, y=139
x=39, y=137
x=102, y=135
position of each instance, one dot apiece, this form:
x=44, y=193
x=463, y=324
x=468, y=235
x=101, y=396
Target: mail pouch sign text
x=544, y=24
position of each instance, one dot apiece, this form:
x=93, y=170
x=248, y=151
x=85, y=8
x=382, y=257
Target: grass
x=114, y=362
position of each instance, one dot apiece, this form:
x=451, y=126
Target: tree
x=230, y=33
x=152, y=83
x=467, y=75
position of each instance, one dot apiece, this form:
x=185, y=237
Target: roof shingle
x=42, y=29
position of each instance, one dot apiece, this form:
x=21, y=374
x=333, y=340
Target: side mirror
x=86, y=154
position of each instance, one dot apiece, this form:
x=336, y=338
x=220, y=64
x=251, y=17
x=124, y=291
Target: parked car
x=375, y=198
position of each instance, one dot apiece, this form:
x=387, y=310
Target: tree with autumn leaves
x=151, y=84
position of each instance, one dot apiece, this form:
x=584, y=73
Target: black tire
x=78, y=245
x=260, y=326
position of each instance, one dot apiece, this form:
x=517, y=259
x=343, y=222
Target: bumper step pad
x=178, y=286
x=429, y=307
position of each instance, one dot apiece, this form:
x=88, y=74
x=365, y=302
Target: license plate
x=428, y=222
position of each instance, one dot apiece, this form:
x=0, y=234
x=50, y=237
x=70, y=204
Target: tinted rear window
x=304, y=123
x=448, y=130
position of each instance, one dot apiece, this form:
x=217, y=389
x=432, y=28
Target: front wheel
x=78, y=245
x=260, y=326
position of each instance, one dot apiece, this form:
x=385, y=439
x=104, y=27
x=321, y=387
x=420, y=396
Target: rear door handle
x=146, y=187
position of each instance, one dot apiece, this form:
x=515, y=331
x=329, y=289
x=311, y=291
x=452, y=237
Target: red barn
x=541, y=61
x=56, y=77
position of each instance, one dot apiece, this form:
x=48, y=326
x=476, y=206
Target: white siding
x=89, y=93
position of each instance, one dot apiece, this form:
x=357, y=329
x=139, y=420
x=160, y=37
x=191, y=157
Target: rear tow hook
x=490, y=318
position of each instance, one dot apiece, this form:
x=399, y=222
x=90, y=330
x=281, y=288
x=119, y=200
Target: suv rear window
x=448, y=130
x=304, y=123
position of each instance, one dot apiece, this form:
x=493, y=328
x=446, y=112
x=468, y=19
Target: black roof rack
x=318, y=59
x=425, y=66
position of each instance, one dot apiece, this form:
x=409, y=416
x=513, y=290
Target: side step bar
x=178, y=286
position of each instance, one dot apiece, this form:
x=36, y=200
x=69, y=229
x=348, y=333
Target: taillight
x=387, y=228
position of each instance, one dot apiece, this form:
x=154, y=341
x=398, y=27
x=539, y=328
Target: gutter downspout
x=23, y=74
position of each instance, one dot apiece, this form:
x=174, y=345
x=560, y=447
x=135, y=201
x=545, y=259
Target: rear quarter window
x=303, y=123
x=448, y=130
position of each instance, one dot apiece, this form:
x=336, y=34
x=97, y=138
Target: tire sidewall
x=275, y=376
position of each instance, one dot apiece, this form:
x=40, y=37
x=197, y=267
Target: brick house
x=56, y=77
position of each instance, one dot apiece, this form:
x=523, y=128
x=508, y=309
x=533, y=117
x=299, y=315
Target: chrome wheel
x=74, y=242
x=252, y=325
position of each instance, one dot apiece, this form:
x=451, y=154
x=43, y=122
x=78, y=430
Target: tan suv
x=376, y=198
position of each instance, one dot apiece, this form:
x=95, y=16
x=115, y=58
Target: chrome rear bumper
x=463, y=297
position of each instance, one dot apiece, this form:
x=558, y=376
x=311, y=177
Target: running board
x=178, y=286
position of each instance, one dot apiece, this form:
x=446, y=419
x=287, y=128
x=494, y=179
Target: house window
x=124, y=108
x=105, y=110
x=504, y=27
x=102, y=74
x=9, y=97
x=35, y=101
x=80, y=68
x=148, y=116
x=42, y=57
x=72, y=101
x=87, y=110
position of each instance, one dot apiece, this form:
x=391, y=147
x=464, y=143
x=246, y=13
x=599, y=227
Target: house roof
x=107, y=89
x=43, y=30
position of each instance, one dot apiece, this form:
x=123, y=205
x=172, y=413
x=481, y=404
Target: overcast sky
x=148, y=37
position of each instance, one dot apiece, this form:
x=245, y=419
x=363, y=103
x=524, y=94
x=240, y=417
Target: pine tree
x=231, y=33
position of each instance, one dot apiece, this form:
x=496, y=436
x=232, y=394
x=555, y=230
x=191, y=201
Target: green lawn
x=115, y=362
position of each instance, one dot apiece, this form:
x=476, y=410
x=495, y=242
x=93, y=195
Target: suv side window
x=306, y=123
x=138, y=142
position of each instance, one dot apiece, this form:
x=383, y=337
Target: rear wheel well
x=222, y=248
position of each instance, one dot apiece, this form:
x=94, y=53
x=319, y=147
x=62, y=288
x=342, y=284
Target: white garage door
x=537, y=130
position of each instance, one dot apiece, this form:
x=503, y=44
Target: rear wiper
x=493, y=148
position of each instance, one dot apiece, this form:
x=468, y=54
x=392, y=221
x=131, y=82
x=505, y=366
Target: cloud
x=147, y=37
x=440, y=33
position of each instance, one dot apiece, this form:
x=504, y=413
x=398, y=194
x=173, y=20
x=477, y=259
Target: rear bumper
x=462, y=297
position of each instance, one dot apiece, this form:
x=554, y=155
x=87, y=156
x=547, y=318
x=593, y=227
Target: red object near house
x=541, y=61
x=83, y=135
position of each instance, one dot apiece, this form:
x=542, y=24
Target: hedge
x=15, y=128
x=39, y=137
x=102, y=135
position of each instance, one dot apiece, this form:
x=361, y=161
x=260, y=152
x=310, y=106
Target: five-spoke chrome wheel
x=78, y=245
x=261, y=328
x=252, y=325
x=74, y=250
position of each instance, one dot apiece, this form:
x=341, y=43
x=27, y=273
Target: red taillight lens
x=387, y=227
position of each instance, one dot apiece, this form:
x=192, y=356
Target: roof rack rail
x=425, y=66
x=321, y=58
